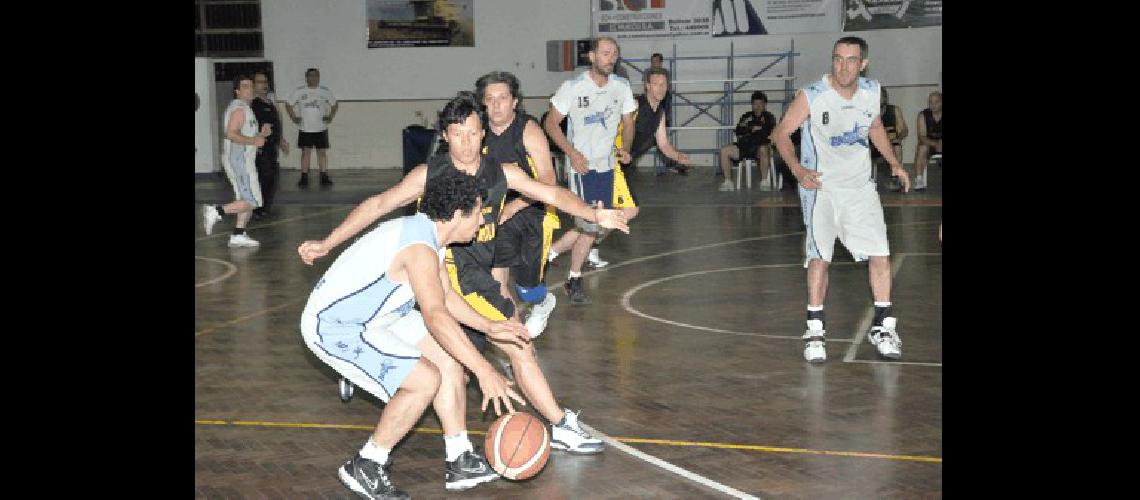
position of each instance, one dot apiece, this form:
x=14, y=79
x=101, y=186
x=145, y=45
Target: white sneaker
x=567, y=435
x=210, y=217
x=242, y=240
x=593, y=258
x=765, y=186
x=536, y=323
x=727, y=185
x=553, y=254
x=887, y=339
x=814, y=351
x=920, y=182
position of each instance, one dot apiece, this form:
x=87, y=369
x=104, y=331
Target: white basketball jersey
x=593, y=114
x=241, y=155
x=835, y=139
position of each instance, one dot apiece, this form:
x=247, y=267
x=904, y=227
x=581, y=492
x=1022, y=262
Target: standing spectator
x=317, y=107
x=268, y=168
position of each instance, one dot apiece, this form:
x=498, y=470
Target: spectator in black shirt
x=753, y=133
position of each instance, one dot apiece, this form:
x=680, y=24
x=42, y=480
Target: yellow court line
x=663, y=442
x=243, y=318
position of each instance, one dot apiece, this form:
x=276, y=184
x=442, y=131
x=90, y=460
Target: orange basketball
x=518, y=445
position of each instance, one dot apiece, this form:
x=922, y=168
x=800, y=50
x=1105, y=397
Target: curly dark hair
x=506, y=77
x=449, y=191
x=459, y=108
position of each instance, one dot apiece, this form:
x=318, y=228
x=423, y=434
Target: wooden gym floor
x=689, y=361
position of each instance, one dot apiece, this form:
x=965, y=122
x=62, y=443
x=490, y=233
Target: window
x=228, y=28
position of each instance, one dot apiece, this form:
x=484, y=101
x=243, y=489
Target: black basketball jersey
x=933, y=128
x=645, y=123
x=508, y=147
x=491, y=178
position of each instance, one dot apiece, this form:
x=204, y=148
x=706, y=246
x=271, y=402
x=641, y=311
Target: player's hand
x=266, y=130
x=312, y=250
x=259, y=141
x=497, y=388
x=579, y=162
x=284, y=146
x=624, y=156
x=810, y=179
x=683, y=158
x=509, y=331
x=904, y=177
x=611, y=219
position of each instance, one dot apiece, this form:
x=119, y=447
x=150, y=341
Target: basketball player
x=837, y=192
x=595, y=103
x=361, y=320
x=469, y=266
x=525, y=227
x=239, y=150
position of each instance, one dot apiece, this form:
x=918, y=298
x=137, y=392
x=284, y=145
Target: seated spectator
x=893, y=122
x=753, y=133
x=929, y=137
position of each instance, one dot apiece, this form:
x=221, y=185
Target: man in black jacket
x=268, y=169
x=753, y=133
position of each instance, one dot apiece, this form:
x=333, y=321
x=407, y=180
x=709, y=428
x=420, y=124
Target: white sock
x=456, y=445
x=880, y=304
x=375, y=453
x=573, y=275
x=553, y=254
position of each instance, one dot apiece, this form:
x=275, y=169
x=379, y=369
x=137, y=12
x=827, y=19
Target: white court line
x=274, y=223
x=723, y=243
x=230, y=270
x=685, y=473
x=625, y=302
x=865, y=325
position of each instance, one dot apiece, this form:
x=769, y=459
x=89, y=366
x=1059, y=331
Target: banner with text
x=631, y=19
x=886, y=14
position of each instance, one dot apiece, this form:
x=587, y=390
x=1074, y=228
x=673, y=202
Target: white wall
x=207, y=121
x=382, y=89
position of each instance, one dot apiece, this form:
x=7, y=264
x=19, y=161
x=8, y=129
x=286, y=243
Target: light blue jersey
x=360, y=321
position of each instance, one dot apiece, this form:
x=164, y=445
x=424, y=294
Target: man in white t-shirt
x=317, y=107
x=597, y=105
x=839, y=114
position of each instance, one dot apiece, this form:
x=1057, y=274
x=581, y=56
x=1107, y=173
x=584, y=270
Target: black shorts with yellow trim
x=469, y=272
x=523, y=242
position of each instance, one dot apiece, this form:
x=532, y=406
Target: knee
x=449, y=369
x=424, y=379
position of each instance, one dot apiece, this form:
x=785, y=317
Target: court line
x=660, y=442
x=685, y=473
x=230, y=270
x=274, y=223
x=865, y=324
x=247, y=316
x=720, y=244
x=625, y=302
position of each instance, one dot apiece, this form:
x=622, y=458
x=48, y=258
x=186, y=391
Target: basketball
x=518, y=445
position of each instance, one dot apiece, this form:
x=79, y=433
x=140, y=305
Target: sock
x=532, y=295
x=456, y=445
x=882, y=310
x=573, y=275
x=220, y=210
x=239, y=230
x=552, y=255
x=815, y=312
x=375, y=453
